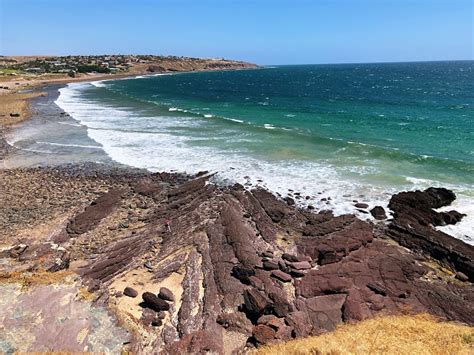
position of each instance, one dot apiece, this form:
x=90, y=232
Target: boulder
x=256, y=303
x=270, y=265
x=153, y=302
x=166, y=294
x=325, y=312
x=263, y=334
x=378, y=213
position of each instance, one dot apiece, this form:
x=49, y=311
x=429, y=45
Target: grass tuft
x=404, y=334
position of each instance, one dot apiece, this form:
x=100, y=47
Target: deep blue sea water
x=348, y=132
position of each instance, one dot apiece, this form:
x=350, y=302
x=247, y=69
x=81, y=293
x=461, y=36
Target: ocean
x=335, y=133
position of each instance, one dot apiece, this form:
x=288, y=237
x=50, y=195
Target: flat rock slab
x=61, y=323
x=94, y=213
x=282, y=276
x=325, y=312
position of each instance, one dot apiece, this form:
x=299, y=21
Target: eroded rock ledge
x=187, y=266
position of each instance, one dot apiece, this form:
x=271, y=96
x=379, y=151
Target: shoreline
x=171, y=262
x=21, y=101
x=296, y=198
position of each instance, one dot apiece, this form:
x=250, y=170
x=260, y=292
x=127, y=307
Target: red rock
x=166, y=294
x=300, y=323
x=256, y=303
x=263, y=334
x=235, y=321
x=270, y=265
x=295, y=258
x=155, y=303
x=300, y=265
x=325, y=312
x=130, y=292
x=282, y=276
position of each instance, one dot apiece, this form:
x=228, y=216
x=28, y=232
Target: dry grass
x=418, y=334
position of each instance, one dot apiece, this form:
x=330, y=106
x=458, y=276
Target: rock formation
x=216, y=269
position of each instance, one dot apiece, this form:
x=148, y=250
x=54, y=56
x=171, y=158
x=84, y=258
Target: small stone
x=378, y=213
x=289, y=201
x=130, y=292
x=361, y=205
x=295, y=258
x=300, y=265
x=297, y=273
x=461, y=276
x=282, y=276
x=270, y=265
x=155, y=303
x=166, y=294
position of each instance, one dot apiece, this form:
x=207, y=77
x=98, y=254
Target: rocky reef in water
x=184, y=266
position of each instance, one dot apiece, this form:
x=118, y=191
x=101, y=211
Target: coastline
x=16, y=99
x=241, y=268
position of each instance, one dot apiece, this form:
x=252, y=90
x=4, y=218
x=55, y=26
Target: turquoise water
x=349, y=132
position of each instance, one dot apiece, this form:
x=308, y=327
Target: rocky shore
x=123, y=259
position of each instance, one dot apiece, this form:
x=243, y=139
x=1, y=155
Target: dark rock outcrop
x=414, y=222
x=153, y=302
x=378, y=212
x=93, y=214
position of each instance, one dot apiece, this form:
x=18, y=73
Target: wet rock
x=166, y=294
x=275, y=209
x=378, y=212
x=130, y=292
x=412, y=227
x=153, y=302
x=361, y=205
x=289, y=201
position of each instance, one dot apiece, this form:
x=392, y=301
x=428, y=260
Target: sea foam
x=153, y=143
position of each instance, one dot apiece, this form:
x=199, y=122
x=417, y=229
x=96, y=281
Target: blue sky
x=261, y=31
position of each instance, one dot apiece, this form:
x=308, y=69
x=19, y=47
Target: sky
x=259, y=31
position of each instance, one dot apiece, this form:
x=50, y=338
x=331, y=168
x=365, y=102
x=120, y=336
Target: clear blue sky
x=261, y=31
